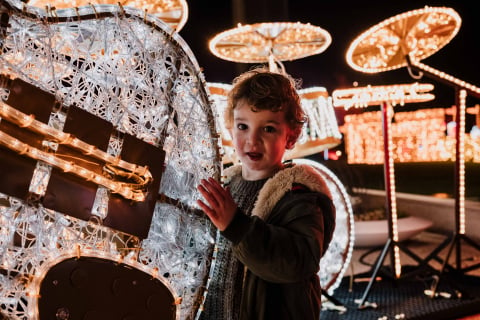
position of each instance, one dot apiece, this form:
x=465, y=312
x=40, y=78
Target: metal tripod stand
x=459, y=236
x=392, y=247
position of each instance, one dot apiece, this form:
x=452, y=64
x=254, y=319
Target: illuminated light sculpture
x=81, y=101
x=419, y=136
x=361, y=97
x=375, y=95
x=418, y=33
x=172, y=12
x=388, y=96
x=404, y=40
x=321, y=132
x=272, y=43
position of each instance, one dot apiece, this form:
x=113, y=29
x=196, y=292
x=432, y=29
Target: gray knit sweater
x=224, y=288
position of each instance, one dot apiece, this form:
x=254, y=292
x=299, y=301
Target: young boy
x=275, y=219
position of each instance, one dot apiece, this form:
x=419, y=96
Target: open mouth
x=254, y=156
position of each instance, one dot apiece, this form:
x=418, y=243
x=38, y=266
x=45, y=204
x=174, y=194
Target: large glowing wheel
x=106, y=130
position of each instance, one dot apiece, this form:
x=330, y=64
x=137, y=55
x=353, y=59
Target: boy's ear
x=291, y=142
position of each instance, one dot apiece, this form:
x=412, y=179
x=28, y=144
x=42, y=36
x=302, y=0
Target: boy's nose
x=253, y=137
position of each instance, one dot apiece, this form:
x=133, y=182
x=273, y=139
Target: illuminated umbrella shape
x=417, y=33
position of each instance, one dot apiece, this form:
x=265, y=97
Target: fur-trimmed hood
x=281, y=183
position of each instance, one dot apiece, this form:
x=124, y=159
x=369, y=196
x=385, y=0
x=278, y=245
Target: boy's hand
x=219, y=205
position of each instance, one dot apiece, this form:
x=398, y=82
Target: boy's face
x=260, y=139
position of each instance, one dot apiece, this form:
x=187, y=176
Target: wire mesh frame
x=123, y=66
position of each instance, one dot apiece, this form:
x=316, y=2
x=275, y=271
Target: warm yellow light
x=140, y=175
x=418, y=136
x=398, y=94
x=417, y=33
x=261, y=42
x=172, y=12
x=447, y=77
x=461, y=160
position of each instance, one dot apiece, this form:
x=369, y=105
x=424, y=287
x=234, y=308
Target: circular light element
x=173, y=12
x=260, y=42
x=417, y=33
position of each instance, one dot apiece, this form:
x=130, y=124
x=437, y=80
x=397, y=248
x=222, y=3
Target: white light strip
x=363, y=97
x=461, y=161
x=446, y=76
x=388, y=113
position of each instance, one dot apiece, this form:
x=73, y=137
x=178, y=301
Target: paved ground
x=420, y=247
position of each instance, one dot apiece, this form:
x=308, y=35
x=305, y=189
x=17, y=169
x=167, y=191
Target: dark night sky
x=344, y=21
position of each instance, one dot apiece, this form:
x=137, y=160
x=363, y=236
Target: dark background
x=344, y=20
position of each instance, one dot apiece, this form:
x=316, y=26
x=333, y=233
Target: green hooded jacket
x=281, y=244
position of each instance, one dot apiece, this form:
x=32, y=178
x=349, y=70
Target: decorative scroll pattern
x=120, y=65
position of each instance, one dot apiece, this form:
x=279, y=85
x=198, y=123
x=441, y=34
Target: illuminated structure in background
x=404, y=40
x=361, y=130
x=388, y=97
x=418, y=136
x=172, y=12
x=103, y=142
x=322, y=132
x=417, y=33
x=273, y=43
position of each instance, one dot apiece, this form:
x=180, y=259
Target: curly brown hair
x=267, y=90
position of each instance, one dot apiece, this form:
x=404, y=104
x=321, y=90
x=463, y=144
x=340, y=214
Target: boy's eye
x=241, y=126
x=269, y=129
